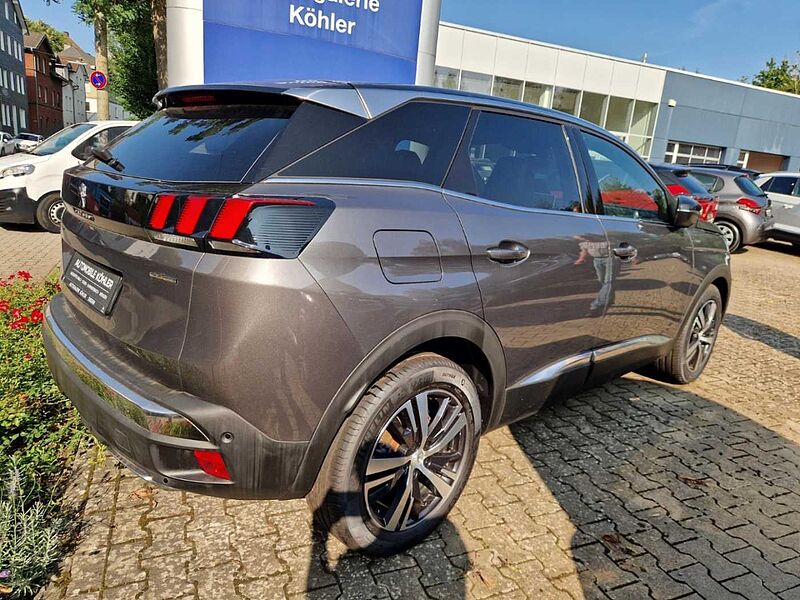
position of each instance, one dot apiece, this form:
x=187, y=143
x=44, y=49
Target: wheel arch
x=460, y=336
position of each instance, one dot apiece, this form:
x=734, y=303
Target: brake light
x=190, y=214
x=276, y=227
x=235, y=210
x=749, y=205
x=678, y=190
x=158, y=218
x=212, y=463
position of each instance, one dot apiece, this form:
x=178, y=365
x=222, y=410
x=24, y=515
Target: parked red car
x=679, y=181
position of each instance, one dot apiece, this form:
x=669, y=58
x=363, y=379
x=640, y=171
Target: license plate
x=97, y=286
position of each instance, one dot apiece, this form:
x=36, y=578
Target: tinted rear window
x=748, y=187
x=199, y=144
x=415, y=142
x=693, y=185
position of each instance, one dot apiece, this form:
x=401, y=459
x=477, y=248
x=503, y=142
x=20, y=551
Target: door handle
x=625, y=251
x=508, y=252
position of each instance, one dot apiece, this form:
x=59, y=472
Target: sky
x=725, y=38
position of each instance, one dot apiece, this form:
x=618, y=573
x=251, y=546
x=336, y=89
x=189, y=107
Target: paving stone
x=632, y=490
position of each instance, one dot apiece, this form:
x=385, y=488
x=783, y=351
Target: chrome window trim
x=392, y=183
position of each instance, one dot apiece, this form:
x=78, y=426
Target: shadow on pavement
x=435, y=568
x=753, y=330
x=667, y=493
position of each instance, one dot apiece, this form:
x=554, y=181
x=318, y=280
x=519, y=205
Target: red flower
x=37, y=316
x=12, y=276
x=28, y=356
x=18, y=324
x=3, y=283
x=16, y=313
x=24, y=275
x=4, y=306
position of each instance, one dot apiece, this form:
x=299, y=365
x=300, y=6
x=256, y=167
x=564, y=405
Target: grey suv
x=333, y=290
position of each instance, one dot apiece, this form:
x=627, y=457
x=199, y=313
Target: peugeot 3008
x=331, y=291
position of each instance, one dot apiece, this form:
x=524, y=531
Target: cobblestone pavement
x=29, y=248
x=633, y=490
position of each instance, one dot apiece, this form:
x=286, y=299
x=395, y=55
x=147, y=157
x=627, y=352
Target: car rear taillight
x=212, y=463
x=749, y=205
x=678, y=190
x=710, y=208
x=279, y=227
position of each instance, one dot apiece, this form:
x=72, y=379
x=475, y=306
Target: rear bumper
x=134, y=416
x=16, y=206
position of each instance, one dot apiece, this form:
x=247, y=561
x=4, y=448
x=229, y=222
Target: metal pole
x=428, y=39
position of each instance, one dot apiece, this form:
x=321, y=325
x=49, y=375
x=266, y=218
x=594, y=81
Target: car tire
x=49, y=212
x=381, y=508
x=695, y=341
x=731, y=233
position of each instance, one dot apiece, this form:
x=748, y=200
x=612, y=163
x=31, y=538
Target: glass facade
x=631, y=120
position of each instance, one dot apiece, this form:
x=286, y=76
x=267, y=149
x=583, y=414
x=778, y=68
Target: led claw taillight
x=279, y=227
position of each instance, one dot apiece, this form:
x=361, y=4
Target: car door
x=652, y=261
x=537, y=254
x=784, y=191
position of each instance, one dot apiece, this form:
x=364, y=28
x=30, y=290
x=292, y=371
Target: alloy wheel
x=417, y=460
x=730, y=234
x=703, y=334
x=55, y=212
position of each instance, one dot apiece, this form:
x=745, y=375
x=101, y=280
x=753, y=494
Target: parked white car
x=25, y=142
x=7, y=145
x=783, y=188
x=30, y=182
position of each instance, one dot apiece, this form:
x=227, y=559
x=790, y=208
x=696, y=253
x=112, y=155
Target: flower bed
x=39, y=433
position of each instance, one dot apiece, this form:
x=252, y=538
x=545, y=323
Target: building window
x=538, y=93
x=446, y=78
x=744, y=157
x=619, y=114
x=566, y=100
x=680, y=153
x=507, y=88
x=479, y=83
x=22, y=119
x=593, y=107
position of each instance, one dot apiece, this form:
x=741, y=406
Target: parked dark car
x=679, y=181
x=745, y=211
x=333, y=290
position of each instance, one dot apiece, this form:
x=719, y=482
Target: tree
x=133, y=61
x=783, y=76
x=58, y=39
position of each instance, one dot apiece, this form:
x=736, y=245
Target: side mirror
x=688, y=211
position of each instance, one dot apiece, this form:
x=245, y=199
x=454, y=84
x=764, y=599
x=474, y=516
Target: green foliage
x=31, y=538
x=132, y=60
x=57, y=38
x=783, y=76
x=133, y=79
x=39, y=433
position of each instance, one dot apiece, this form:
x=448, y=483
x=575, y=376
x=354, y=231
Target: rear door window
x=518, y=161
x=415, y=142
x=712, y=183
x=208, y=143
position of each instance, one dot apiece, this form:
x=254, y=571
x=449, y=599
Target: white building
x=74, y=92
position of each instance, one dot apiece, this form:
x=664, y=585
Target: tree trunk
x=101, y=61
x=158, y=14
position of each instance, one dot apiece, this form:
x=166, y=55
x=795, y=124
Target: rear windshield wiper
x=106, y=157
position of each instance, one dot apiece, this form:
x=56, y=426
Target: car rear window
x=748, y=186
x=209, y=143
x=692, y=185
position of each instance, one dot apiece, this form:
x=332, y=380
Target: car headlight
x=17, y=171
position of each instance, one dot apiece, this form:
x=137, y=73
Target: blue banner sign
x=356, y=40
